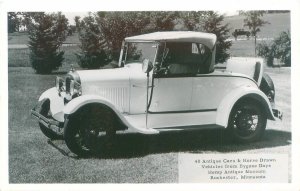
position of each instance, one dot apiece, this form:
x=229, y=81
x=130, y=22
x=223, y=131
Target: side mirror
x=147, y=66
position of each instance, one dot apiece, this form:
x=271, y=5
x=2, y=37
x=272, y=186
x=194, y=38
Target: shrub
x=280, y=48
x=46, y=34
x=283, y=48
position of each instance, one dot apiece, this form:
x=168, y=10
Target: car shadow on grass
x=130, y=145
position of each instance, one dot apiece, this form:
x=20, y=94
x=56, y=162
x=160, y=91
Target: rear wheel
x=93, y=127
x=267, y=86
x=247, y=122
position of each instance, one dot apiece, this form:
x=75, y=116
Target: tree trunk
x=255, y=45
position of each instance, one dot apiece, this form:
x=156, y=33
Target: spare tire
x=267, y=86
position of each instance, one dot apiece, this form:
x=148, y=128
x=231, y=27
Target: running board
x=138, y=124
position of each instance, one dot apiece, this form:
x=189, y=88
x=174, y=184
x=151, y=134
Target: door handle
x=138, y=86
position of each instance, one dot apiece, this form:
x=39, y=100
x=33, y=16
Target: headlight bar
x=69, y=86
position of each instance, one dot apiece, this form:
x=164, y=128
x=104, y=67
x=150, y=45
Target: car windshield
x=138, y=51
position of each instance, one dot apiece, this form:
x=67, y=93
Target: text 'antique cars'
x=165, y=81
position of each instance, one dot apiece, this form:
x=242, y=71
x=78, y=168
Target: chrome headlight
x=72, y=85
x=75, y=88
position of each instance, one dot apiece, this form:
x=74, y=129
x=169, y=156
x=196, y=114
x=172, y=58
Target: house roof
x=207, y=39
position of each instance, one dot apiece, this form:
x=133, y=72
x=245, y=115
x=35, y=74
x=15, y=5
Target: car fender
x=56, y=103
x=48, y=94
x=83, y=100
x=226, y=105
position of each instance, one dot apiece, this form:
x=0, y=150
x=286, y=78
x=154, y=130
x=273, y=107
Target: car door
x=171, y=94
x=172, y=89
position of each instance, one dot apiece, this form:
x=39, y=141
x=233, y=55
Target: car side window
x=185, y=59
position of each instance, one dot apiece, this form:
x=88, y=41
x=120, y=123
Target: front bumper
x=51, y=124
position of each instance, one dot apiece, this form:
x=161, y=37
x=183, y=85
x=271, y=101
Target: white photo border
x=158, y=5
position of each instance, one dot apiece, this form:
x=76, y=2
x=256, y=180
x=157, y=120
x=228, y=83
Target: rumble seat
x=248, y=66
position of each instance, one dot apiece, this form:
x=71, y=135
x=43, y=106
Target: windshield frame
x=124, y=52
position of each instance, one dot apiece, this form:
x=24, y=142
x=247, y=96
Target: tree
x=46, y=34
x=211, y=22
x=13, y=22
x=160, y=21
x=280, y=48
x=113, y=27
x=102, y=33
x=254, y=21
x=94, y=52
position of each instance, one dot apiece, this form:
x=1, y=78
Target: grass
x=242, y=49
x=20, y=57
x=136, y=159
x=278, y=23
x=32, y=160
x=22, y=38
x=18, y=38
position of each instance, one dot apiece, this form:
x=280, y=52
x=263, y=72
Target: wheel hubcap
x=245, y=121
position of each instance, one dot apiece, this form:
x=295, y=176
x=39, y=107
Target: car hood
x=104, y=75
x=112, y=84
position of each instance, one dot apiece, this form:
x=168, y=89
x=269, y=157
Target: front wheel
x=86, y=131
x=247, y=122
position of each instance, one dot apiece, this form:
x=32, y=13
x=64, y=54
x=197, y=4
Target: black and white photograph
x=132, y=96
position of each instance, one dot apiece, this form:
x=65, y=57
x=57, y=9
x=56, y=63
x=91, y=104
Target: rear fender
x=224, y=109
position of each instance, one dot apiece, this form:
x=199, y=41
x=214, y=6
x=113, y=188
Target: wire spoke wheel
x=91, y=130
x=247, y=121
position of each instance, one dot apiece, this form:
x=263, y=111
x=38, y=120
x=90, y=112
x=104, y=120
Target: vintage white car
x=165, y=81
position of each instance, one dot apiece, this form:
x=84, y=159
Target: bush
x=280, y=48
x=46, y=34
x=283, y=48
x=267, y=52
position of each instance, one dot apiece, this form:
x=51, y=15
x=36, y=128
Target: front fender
x=80, y=101
x=56, y=103
x=224, y=109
